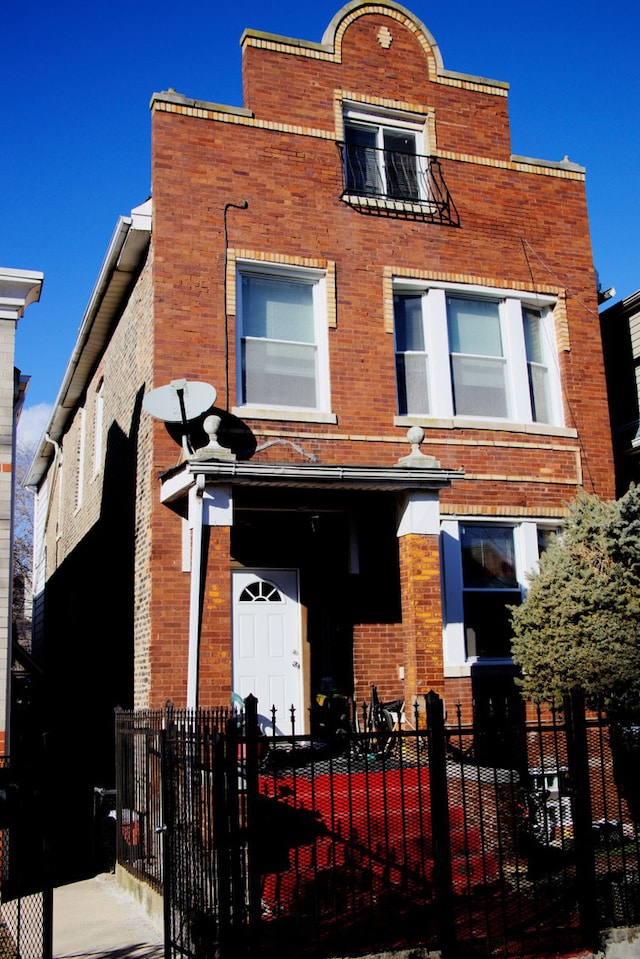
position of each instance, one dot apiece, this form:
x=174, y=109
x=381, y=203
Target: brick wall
x=523, y=226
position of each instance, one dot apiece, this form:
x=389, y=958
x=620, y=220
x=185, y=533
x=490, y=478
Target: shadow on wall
x=88, y=657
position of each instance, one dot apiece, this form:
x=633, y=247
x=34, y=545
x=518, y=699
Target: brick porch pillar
x=418, y=534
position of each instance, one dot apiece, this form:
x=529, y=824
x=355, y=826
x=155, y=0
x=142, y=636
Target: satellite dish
x=179, y=401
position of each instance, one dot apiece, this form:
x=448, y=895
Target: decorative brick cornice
x=453, y=509
x=331, y=48
x=198, y=109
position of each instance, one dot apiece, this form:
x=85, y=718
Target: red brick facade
x=522, y=233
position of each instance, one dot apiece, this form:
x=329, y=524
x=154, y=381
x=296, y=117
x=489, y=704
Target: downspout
x=195, y=517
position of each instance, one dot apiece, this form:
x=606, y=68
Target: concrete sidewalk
x=98, y=918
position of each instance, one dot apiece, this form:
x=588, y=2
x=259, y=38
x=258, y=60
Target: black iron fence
x=26, y=894
x=407, y=835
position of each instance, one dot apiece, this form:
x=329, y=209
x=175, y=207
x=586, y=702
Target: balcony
x=398, y=184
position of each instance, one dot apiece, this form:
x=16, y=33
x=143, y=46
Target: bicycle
x=381, y=725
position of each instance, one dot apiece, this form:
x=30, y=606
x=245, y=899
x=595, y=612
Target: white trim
x=419, y=513
x=440, y=379
x=317, y=279
x=525, y=535
x=98, y=426
x=82, y=429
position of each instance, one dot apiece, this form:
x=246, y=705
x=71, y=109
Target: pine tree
x=578, y=626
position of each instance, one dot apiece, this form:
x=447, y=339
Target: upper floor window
x=381, y=161
x=82, y=428
x=475, y=355
x=98, y=423
x=386, y=168
x=282, y=337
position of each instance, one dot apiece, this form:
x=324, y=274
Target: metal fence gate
x=290, y=845
x=26, y=895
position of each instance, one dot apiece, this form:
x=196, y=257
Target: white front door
x=267, y=643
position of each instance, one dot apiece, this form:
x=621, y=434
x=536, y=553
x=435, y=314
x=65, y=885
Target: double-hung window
x=382, y=157
x=478, y=364
x=485, y=573
x=537, y=366
x=474, y=354
x=282, y=348
x=490, y=587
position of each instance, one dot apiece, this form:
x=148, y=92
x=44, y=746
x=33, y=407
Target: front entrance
x=267, y=642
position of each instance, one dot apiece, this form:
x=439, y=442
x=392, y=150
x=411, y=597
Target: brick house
x=620, y=326
x=399, y=318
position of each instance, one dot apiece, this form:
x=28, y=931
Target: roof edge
x=125, y=253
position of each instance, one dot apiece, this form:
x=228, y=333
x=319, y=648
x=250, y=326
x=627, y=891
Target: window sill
x=466, y=669
x=290, y=415
x=470, y=423
x=391, y=204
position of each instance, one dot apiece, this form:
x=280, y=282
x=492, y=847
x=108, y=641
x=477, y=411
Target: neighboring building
x=620, y=326
x=18, y=288
x=395, y=268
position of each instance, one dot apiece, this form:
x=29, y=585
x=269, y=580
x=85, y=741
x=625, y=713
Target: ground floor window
x=485, y=574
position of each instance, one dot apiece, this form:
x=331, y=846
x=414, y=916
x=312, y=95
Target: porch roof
x=176, y=482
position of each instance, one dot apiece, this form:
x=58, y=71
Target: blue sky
x=75, y=122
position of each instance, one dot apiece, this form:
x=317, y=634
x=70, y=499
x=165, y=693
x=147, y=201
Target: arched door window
x=260, y=591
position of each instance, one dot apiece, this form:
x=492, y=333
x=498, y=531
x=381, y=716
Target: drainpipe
x=195, y=517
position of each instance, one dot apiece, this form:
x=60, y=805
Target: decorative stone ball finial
x=416, y=458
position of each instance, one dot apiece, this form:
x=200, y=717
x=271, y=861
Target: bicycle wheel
x=383, y=738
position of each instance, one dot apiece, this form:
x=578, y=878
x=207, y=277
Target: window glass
x=362, y=174
x=279, y=374
x=411, y=356
x=278, y=341
x=487, y=623
x=277, y=307
x=408, y=322
x=536, y=366
x=474, y=326
x=488, y=556
x=400, y=165
x=478, y=369
x=490, y=587
x=545, y=538
x=381, y=160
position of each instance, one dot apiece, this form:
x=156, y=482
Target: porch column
x=418, y=535
x=209, y=681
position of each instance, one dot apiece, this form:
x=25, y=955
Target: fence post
x=578, y=756
x=440, y=826
x=168, y=773
x=251, y=773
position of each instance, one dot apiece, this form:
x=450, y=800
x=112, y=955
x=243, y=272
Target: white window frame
x=98, y=425
x=316, y=278
x=393, y=121
x=525, y=534
x=435, y=328
x=82, y=430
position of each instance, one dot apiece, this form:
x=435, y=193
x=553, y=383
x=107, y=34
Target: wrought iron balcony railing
x=405, y=184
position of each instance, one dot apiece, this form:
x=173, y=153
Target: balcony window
x=381, y=161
